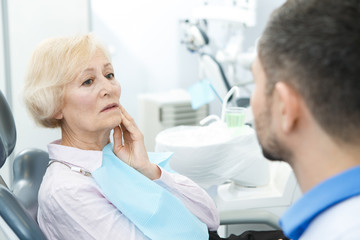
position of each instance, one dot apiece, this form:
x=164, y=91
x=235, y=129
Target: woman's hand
x=129, y=147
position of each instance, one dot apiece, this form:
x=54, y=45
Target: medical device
x=222, y=63
x=227, y=161
x=159, y=111
x=213, y=154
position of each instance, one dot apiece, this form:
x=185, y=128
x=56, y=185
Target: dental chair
x=18, y=208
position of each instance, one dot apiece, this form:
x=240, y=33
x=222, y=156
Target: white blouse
x=72, y=206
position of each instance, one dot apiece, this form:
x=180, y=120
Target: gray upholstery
x=11, y=210
x=7, y=130
x=17, y=218
x=29, y=168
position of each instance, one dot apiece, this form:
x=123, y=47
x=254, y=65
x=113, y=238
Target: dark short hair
x=314, y=45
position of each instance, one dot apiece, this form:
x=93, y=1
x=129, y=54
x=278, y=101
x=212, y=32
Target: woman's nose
x=106, y=87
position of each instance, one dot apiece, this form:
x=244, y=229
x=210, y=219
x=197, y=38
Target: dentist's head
x=306, y=101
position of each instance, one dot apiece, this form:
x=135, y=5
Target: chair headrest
x=7, y=130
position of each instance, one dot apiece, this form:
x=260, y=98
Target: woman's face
x=91, y=101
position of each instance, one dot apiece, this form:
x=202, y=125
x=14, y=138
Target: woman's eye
x=88, y=82
x=110, y=76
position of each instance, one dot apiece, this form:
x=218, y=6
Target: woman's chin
x=108, y=124
x=115, y=124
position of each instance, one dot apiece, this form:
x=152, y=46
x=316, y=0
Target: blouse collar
x=86, y=159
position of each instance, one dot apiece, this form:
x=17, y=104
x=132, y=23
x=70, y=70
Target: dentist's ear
x=288, y=106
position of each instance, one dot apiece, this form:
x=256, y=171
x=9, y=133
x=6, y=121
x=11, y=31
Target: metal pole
x=90, y=16
x=6, y=46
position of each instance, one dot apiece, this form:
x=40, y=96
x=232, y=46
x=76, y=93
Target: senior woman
x=71, y=84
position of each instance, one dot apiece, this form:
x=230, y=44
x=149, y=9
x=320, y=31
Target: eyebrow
x=107, y=64
x=92, y=69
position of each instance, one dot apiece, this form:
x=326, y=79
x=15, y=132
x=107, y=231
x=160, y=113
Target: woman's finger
x=129, y=125
x=126, y=134
x=117, y=135
x=127, y=115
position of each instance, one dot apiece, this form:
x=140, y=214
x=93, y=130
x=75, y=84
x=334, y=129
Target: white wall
x=264, y=9
x=29, y=23
x=144, y=37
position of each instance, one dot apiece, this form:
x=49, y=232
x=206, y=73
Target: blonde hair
x=54, y=63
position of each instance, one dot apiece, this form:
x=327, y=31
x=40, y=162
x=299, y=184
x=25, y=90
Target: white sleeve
x=83, y=213
x=193, y=197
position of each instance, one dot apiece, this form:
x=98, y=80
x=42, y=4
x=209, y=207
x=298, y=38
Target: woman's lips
x=110, y=107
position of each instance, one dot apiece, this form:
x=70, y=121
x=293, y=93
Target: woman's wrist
x=152, y=172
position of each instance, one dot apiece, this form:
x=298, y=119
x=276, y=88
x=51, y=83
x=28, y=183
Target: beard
x=270, y=155
x=271, y=147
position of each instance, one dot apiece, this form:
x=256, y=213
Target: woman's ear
x=288, y=106
x=59, y=116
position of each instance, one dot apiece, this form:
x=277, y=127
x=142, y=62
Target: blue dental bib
x=154, y=210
